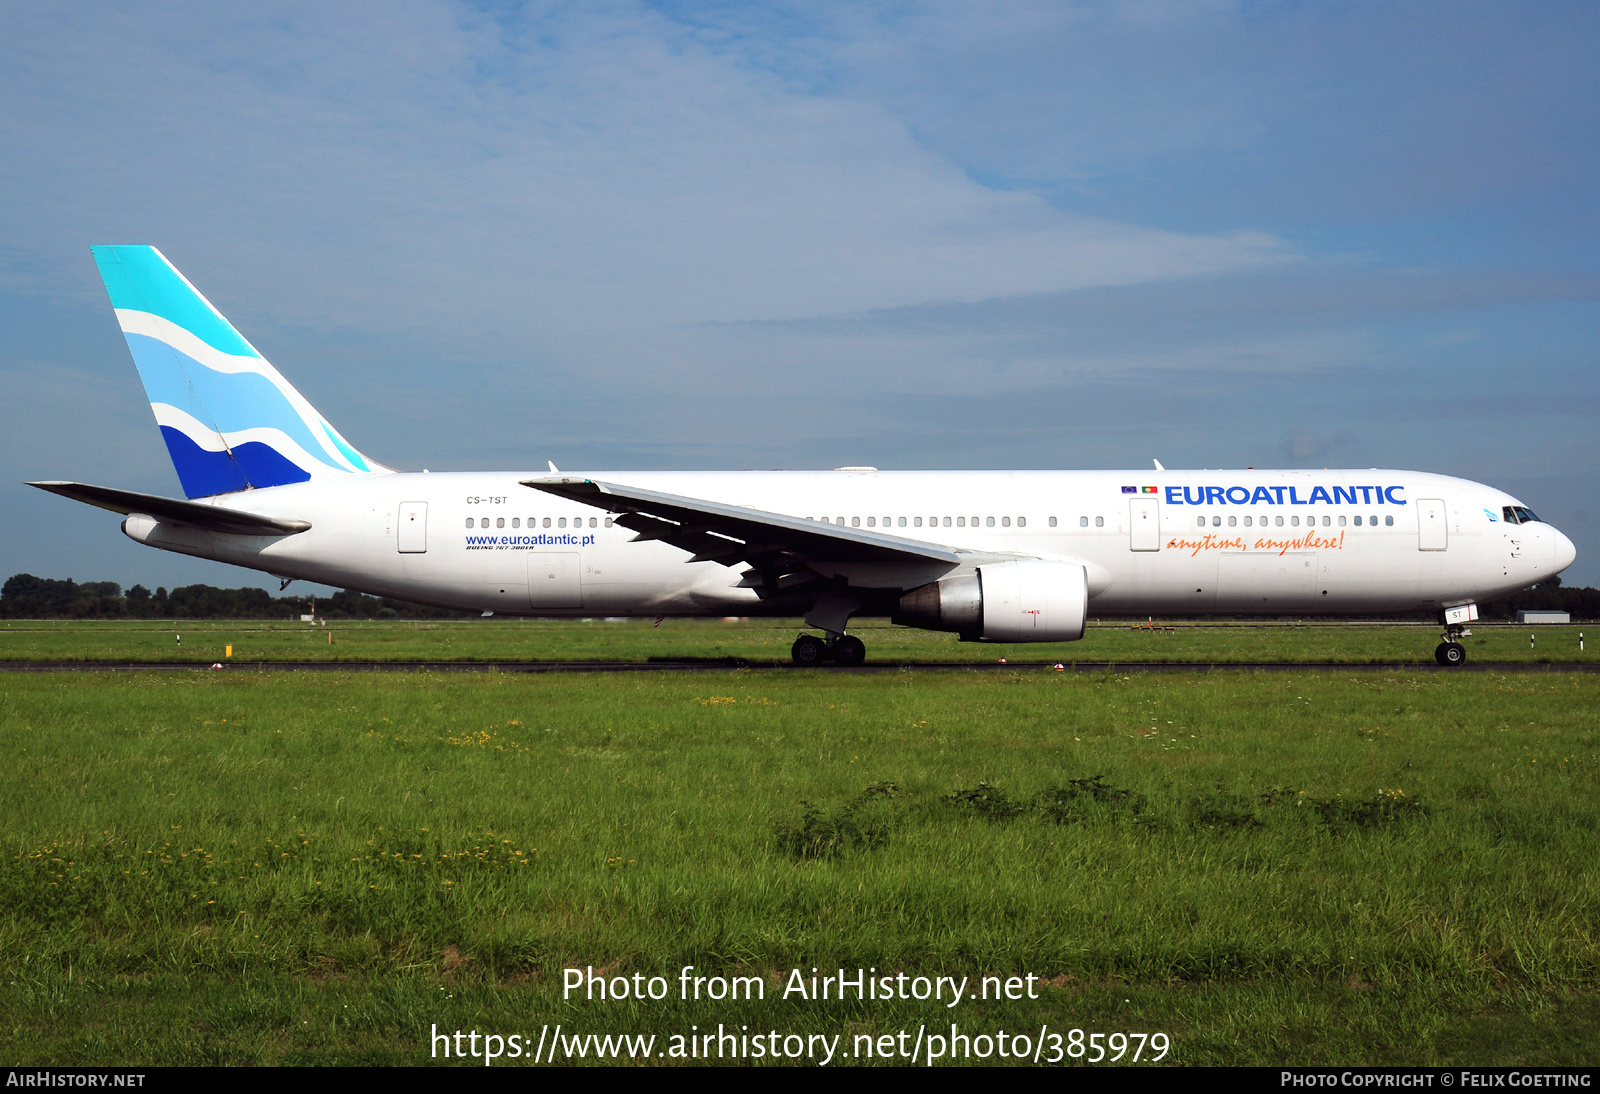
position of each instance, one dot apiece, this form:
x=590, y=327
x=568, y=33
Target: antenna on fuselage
x=1158, y=465
x=554, y=470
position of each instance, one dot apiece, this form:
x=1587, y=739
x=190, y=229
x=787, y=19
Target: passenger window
x=1216, y=522
x=1199, y=522
x=916, y=522
x=593, y=521
x=838, y=521
x=608, y=522
x=516, y=522
x=1005, y=522
x=903, y=522
x=1247, y=522
x=988, y=522
x=1358, y=521
x=961, y=522
x=974, y=522
x=1327, y=522
x=1022, y=522
x=547, y=522
x=1295, y=521
x=1341, y=522
x=1279, y=522
x=469, y=522
x=561, y=522
x=947, y=522
x=500, y=523
x=1052, y=521
x=1083, y=522
x=872, y=522
x=1233, y=522
x=1388, y=522
x=1099, y=522
x=855, y=522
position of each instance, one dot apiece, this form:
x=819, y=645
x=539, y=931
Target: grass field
x=761, y=642
x=1300, y=868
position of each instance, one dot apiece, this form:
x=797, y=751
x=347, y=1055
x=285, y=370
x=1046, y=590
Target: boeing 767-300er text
x=1002, y=556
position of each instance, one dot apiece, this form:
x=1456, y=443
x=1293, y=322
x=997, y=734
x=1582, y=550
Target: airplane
x=996, y=556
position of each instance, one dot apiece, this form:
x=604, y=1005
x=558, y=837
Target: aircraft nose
x=1565, y=552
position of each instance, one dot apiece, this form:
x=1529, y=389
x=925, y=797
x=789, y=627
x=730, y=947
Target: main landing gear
x=841, y=649
x=1451, y=653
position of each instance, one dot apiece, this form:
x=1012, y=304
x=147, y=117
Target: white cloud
x=489, y=187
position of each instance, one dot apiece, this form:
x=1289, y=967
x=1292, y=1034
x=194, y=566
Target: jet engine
x=1029, y=600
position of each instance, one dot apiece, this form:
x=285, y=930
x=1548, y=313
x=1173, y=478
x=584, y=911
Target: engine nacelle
x=954, y=604
x=1030, y=600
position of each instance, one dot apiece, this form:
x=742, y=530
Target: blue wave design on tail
x=230, y=420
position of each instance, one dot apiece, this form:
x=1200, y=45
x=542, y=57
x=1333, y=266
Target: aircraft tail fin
x=230, y=420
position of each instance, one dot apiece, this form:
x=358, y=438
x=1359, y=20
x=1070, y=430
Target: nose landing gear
x=841, y=649
x=1451, y=653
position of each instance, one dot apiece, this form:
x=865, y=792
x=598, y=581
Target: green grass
x=758, y=642
x=1288, y=868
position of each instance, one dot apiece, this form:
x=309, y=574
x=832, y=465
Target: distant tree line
x=1550, y=595
x=25, y=596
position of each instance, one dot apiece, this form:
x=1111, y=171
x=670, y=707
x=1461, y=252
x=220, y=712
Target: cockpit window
x=1518, y=514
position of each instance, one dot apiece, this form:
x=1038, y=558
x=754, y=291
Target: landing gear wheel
x=1451, y=654
x=808, y=651
x=849, y=650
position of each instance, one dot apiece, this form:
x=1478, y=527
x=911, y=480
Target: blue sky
x=737, y=235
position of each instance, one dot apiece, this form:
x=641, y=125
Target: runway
x=732, y=663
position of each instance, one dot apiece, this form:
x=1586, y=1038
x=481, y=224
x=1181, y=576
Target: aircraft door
x=1432, y=533
x=1144, y=522
x=412, y=533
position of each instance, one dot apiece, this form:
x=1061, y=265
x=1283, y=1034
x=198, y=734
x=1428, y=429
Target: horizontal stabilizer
x=213, y=518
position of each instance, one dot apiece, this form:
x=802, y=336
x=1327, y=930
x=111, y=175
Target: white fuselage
x=1188, y=542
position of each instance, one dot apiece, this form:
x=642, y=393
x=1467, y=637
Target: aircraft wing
x=777, y=546
x=213, y=518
